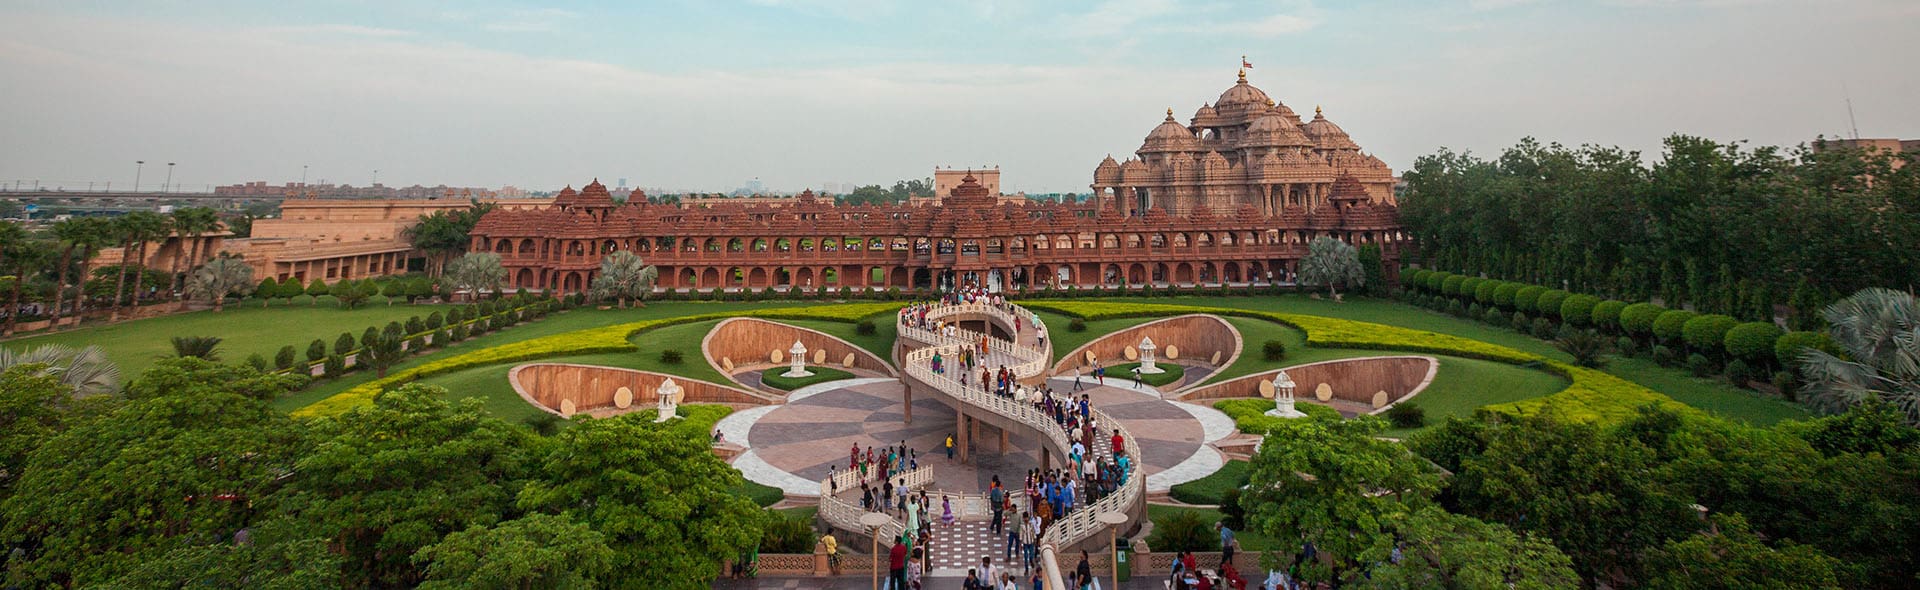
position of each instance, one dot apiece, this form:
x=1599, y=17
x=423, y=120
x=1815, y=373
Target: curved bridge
x=1027, y=359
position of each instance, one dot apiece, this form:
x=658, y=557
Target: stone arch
x=1183, y=273
x=709, y=278
x=803, y=277
x=573, y=282
x=736, y=245
x=757, y=277
x=526, y=246
x=1111, y=275
x=504, y=246
x=1232, y=274
x=1137, y=273
x=609, y=247
x=525, y=278
x=736, y=277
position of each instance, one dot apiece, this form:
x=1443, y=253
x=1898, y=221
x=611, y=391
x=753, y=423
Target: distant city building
x=260, y=188
x=1887, y=145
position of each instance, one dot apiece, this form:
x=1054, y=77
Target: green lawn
x=1170, y=373
x=1208, y=490
x=245, y=328
x=772, y=377
x=1249, y=540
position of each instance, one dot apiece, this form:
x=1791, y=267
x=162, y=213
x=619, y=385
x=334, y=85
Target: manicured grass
x=772, y=378
x=762, y=495
x=1209, y=489
x=1712, y=394
x=1463, y=385
x=806, y=512
x=1249, y=540
x=880, y=343
x=1170, y=373
x=244, y=329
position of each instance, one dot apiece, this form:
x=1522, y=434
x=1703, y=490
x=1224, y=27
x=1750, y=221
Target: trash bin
x=1123, y=564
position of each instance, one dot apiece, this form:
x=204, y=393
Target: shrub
x=1752, y=341
x=441, y=338
x=1577, y=309
x=1503, y=294
x=1415, y=279
x=865, y=328
x=1789, y=346
x=671, y=356
x=1706, y=333
x=1275, y=350
x=1451, y=286
x=336, y=366
x=1700, y=365
x=1454, y=308
x=1436, y=280
x=1496, y=317
x=1406, y=415
x=787, y=534
x=393, y=330
x=1668, y=326
x=1483, y=292
x=1739, y=372
x=1474, y=311
x=1542, y=328
x=1787, y=383
x=1231, y=514
x=459, y=333
x=1606, y=315
x=1626, y=346
x=1585, y=346
x=1637, y=319
x=435, y=321
x=1549, y=302
x=259, y=363
x=455, y=316
x=1183, y=531
x=1527, y=297
x=1077, y=325
x=542, y=423
x=1469, y=287
x=316, y=350
x=1665, y=356
x=344, y=344
x=368, y=337
x=1521, y=322
x=415, y=325
x=285, y=358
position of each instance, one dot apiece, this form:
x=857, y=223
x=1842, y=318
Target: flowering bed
x=1593, y=395
x=593, y=340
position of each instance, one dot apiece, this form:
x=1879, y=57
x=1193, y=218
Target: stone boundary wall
x=591, y=389
x=1198, y=336
x=750, y=342
x=1352, y=380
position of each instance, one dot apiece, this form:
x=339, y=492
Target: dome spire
x=1169, y=113
x=1243, y=75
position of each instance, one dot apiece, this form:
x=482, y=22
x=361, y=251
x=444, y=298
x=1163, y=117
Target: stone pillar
x=960, y=436
x=906, y=404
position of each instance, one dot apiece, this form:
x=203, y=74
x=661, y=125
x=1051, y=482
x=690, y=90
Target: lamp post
x=1113, y=520
x=303, y=176
x=168, y=187
x=873, y=521
x=137, y=166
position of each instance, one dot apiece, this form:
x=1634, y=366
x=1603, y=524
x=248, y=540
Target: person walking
x=1227, y=543
x=949, y=447
x=897, y=564
x=1076, y=378
x=832, y=546
x=995, y=496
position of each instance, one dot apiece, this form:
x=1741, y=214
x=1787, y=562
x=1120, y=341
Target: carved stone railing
x=1025, y=361
x=845, y=515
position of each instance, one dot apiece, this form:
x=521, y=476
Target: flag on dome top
x=1244, y=63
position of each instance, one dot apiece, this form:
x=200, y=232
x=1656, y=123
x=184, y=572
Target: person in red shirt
x=1119, y=444
x=897, y=564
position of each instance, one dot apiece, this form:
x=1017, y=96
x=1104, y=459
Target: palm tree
x=200, y=347
x=1332, y=263
x=220, y=277
x=79, y=233
x=1878, y=330
x=382, y=354
x=23, y=259
x=623, y=275
x=188, y=224
x=89, y=236
x=1585, y=346
x=445, y=234
x=135, y=230
x=86, y=370
x=477, y=271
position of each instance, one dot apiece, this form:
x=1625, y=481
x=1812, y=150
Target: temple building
x=1244, y=149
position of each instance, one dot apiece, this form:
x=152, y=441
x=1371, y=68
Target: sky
x=708, y=94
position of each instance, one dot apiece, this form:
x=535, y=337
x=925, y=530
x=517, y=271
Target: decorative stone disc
x=1132, y=355
x=1172, y=351
x=566, y=408
x=777, y=357
x=1379, y=399
x=847, y=362
x=1266, y=389
x=726, y=363
x=1090, y=358
x=1216, y=359
x=820, y=357
x=622, y=398
x=1323, y=393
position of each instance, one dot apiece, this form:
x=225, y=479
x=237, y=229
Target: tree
x=1732, y=556
x=1333, y=484
x=1375, y=269
x=289, y=289
x=382, y=354
x=219, y=278
x=267, y=560
x=84, y=235
x=285, y=358
x=662, y=499
x=536, y=551
x=23, y=259
x=266, y=290
x=444, y=234
x=135, y=230
x=1331, y=263
x=176, y=465
x=35, y=402
x=1454, y=552
x=352, y=294
x=316, y=350
x=385, y=480
x=87, y=370
x=1585, y=346
x=476, y=272
x=623, y=275
x=316, y=289
x=189, y=223
x=200, y=347
x=1878, y=330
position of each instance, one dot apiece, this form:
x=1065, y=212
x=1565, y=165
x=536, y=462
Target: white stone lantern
x=669, y=400
x=799, y=368
x=1283, y=397
x=1146, y=357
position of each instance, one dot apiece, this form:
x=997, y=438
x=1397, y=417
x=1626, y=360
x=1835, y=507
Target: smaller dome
x=1274, y=129
x=1170, y=136
x=1326, y=135
x=1206, y=112
x=1108, y=172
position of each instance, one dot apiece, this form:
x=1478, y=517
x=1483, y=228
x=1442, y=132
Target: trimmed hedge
x=1250, y=415
x=1707, y=332
x=1669, y=325
x=1504, y=294
x=1606, y=314
x=1527, y=297
x=589, y=341
x=1483, y=292
x=1451, y=287
x=1578, y=309
x=1788, y=347
x=1470, y=288
x=1637, y=319
x=1591, y=395
x=1752, y=341
x=1549, y=302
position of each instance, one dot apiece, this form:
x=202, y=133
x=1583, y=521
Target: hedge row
x=1591, y=395
x=589, y=341
x=1719, y=337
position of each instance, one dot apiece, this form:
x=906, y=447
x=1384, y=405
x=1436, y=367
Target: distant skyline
x=710, y=94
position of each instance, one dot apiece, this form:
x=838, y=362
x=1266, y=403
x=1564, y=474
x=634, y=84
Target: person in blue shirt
x=1226, y=544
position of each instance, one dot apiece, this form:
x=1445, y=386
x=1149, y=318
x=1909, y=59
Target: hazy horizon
x=708, y=95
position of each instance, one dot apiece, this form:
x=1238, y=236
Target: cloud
x=341, y=29
x=534, y=20
x=1272, y=26
x=1496, y=4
